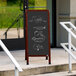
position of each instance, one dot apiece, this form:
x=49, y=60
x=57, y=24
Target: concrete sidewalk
x=59, y=57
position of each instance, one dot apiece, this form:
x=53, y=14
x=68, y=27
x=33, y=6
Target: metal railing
x=17, y=20
x=17, y=66
x=70, y=45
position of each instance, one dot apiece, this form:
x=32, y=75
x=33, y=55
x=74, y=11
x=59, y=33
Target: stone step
x=58, y=74
x=39, y=70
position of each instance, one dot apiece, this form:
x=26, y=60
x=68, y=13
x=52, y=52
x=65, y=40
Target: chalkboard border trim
x=26, y=52
x=26, y=39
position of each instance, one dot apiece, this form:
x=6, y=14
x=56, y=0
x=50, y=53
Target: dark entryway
x=51, y=6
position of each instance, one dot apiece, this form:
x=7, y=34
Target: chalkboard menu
x=37, y=32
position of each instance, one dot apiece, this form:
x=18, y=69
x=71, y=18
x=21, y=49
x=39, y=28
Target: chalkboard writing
x=37, y=32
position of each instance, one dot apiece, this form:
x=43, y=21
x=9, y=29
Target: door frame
x=53, y=23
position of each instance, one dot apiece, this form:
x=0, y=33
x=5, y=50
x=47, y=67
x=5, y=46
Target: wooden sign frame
x=26, y=38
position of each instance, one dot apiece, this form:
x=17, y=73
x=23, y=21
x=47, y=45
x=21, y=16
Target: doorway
x=51, y=5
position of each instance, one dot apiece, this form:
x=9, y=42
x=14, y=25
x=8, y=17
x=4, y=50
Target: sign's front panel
x=38, y=32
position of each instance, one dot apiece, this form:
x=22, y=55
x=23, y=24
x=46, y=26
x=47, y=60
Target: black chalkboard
x=37, y=32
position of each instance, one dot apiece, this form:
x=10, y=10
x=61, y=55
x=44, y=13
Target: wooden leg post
x=46, y=57
x=25, y=55
x=27, y=60
x=49, y=58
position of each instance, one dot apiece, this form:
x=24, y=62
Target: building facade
x=61, y=10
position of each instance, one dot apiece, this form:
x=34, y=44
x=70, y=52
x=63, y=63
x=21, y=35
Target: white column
x=69, y=58
x=16, y=72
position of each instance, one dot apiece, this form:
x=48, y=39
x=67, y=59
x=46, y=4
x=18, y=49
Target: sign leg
x=25, y=55
x=27, y=60
x=46, y=57
x=49, y=58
